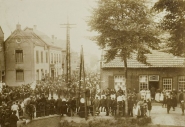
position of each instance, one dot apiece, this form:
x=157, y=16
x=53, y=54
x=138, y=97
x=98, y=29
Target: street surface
x=158, y=114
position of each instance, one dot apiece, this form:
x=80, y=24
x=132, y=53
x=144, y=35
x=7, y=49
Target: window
x=167, y=84
x=154, y=78
x=46, y=57
x=181, y=82
x=59, y=58
x=41, y=54
x=54, y=58
x=37, y=56
x=19, y=56
x=143, y=82
x=19, y=75
x=119, y=81
x=51, y=57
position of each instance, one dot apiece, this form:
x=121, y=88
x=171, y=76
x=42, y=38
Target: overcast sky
x=48, y=15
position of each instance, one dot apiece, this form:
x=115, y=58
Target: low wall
x=48, y=121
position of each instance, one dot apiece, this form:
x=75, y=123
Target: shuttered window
x=37, y=56
x=19, y=56
x=41, y=54
x=19, y=75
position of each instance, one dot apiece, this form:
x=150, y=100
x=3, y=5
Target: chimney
x=18, y=26
x=34, y=27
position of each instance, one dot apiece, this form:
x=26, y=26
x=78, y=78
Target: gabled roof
x=155, y=59
x=26, y=36
x=50, y=42
x=1, y=31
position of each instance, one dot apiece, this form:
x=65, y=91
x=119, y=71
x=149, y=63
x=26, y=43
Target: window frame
x=16, y=76
x=16, y=56
x=142, y=83
x=119, y=81
x=167, y=84
x=179, y=88
x=37, y=56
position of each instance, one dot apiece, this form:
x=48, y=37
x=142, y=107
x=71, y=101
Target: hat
x=63, y=99
x=82, y=100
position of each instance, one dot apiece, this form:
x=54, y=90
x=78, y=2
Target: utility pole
x=68, y=52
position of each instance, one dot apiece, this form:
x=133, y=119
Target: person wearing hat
x=13, y=119
x=52, y=106
x=64, y=106
x=82, y=108
x=181, y=101
x=130, y=106
x=169, y=103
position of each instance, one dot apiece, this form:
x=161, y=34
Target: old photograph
x=92, y=63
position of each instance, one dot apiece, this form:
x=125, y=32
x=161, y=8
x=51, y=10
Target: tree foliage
x=174, y=23
x=125, y=26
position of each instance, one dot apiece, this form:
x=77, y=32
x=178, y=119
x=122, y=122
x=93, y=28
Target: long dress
x=82, y=110
x=161, y=97
x=148, y=95
x=157, y=97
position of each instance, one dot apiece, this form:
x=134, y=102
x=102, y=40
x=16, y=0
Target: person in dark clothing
x=113, y=106
x=130, y=106
x=64, y=107
x=13, y=119
x=73, y=105
x=174, y=101
x=168, y=103
x=181, y=101
x=152, y=90
x=58, y=105
x=52, y=106
x=149, y=105
x=81, y=112
x=108, y=104
x=103, y=104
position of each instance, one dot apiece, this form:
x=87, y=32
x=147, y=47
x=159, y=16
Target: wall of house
x=56, y=65
x=2, y=66
x=107, y=76
x=42, y=67
x=11, y=65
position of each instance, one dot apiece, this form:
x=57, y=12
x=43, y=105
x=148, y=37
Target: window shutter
x=111, y=82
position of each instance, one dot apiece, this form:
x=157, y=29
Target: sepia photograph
x=92, y=63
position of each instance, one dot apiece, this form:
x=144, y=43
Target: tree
x=174, y=23
x=125, y=26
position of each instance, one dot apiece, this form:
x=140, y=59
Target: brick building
x=162, y=71
x=30, y=56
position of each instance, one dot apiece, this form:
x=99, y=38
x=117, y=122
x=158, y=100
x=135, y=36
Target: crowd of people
x=51, y=97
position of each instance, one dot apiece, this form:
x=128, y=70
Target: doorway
x=154, y=84
x=52, y=74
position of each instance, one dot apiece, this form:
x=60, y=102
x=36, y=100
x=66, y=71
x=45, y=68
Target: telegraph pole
x=68, y=52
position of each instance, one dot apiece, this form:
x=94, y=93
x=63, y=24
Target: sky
x=48, y=15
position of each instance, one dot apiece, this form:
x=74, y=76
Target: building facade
x=163, y=71
x=2, y=64
x=32, y=56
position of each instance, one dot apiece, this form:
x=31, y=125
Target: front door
x=154, y=84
